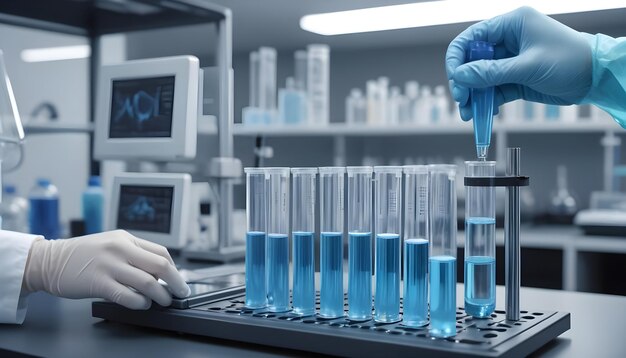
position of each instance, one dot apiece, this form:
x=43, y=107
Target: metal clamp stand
x=511, y=181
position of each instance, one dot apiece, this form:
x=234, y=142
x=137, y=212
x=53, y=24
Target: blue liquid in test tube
x=480, y=242
x=442, y=296
x=416, y=196
x=303, y=273
x=255, y=270
x=360, y=276
x=304, y=184
x=331, y=269
x=442, y=258
x=387, y=211
x=482, y=101
x=256, y=206
x=277, y=263
x=331, y=241
x=360, y=243
x=277, y=240
x=387, y=299
x=415, y=302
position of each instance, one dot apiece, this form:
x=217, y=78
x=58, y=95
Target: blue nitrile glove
x=536, y=58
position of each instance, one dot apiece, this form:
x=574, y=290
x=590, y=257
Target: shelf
x=343, y=129
x=32, y=129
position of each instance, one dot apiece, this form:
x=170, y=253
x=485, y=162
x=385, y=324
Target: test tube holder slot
x=229, y=319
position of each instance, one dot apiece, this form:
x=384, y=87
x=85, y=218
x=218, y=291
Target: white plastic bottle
x=440, y=110
x=14, y=210
x=356, y=111
x=411, y=90
x=424, y=106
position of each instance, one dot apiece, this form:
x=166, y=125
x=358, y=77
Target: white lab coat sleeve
x=14, y=249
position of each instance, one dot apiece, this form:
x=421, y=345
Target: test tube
x=416, y=192
x=359, y=243
x=331, y=241
x=267, y=84
x=277, y=242
x=480, y=242
x=318, y=83
x=388, y=214
x=482, y=101
x=255, y=238
x=303, y=226
x=442, y=259
x=254, y=79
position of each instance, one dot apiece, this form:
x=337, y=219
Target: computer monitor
x=148, y=109
x=152, y=206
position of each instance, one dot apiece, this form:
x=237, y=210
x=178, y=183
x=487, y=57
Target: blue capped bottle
x=44, y=210
x=93, y=206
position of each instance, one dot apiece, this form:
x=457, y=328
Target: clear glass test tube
x=277, y=241
x=255, y=238
x=388, y=221
x=442, y=259
x=359, y=243
x=480, y=242
x=482, y=101
x=304, y=183
x=416, y=193
x=331, y=241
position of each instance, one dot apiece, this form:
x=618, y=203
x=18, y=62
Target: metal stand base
x=228, y=254
x=228, y=319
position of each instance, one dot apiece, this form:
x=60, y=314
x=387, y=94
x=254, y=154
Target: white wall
x=62, y=158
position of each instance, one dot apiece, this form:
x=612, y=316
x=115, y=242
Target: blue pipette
x=482, y=101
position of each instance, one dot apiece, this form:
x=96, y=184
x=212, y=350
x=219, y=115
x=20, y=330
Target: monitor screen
x=142, y=108
x=145, y=208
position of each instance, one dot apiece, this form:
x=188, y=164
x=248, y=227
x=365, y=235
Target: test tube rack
x=229, y=319
x=506, y=333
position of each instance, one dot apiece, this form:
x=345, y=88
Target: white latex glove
x=105, y=265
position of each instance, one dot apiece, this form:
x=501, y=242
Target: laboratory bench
x=56, y=327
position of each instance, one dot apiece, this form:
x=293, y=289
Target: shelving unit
x=340, y=131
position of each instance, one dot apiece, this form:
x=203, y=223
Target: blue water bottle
x=44, y=210
x=93, y=203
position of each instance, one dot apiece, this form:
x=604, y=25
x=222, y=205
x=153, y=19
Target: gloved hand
x=536, y=59
x=104, y=265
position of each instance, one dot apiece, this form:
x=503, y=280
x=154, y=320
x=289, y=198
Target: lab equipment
x=411, y=91
x=424, y=105
x=267, y=83
x=212, y=288
x=277, y=241
x=356, y=107
x=373, y=102
x=11, y=130
x=153, y=206
x=300, y=70
x=303, y=226
x=291, y=104
x=526, y=33
x=480, y=242
x=606, y=214
x=359, y=243
x=440, y=111
x=442, y=259
x=562, y=203
x=482, y=101
x=383, y=99
x=93, y=206
x=388, y=221
x=318, y=83
x=44, y=210
x=331, y=241
x=394, y=104
x=256, y=221
x=552, y=112
x=148, y=109
x=13, y=210
x=416, y=194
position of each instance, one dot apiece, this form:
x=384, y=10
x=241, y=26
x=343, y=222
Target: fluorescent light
x=437, y=13
x=56, y=53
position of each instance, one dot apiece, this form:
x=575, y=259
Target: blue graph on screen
x=140, y=106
